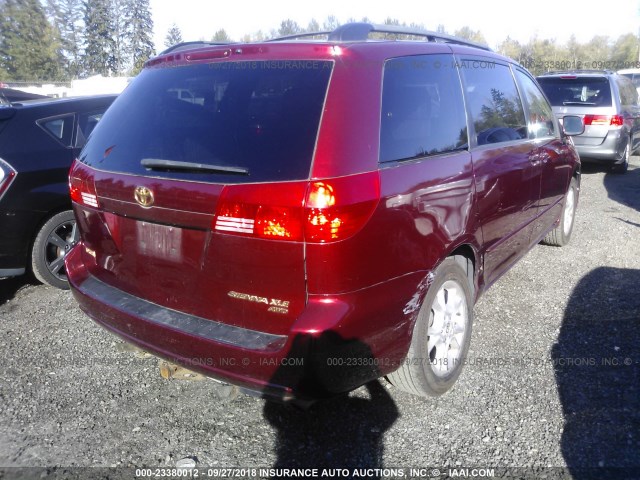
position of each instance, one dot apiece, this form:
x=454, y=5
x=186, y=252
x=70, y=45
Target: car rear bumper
x=610, y=150
x=337, y=344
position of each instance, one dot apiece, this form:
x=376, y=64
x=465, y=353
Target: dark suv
x=301, y=217
x=39, y=139
x=608, y=104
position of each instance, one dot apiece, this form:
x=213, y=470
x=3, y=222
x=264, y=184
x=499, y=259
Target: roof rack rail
x=351, y=32
x=577, y=71
x=299, y=35
x=187, y=45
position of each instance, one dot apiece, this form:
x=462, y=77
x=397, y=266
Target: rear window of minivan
x=258, y=118
x=577, y=91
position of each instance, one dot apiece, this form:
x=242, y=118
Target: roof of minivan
x=354, y=39
x=350, y=32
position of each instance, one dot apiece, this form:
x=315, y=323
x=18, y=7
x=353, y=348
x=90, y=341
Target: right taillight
x=607, y=120
x=7, y=176
x=316, y=211
x=82, y=187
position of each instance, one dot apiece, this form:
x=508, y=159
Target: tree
x=174, y=36
x=288, y=27
x=29, y=45
x=511, y=48
x=313, y=26
x=69, y=22
x=121, y=40
x=139, y=30
x=221, y=36
x=625, y=50
x=472, y=35
x=330, y=24
x=99, y=44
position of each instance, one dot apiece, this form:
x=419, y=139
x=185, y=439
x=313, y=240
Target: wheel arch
x=466, y=256
x=44, y=218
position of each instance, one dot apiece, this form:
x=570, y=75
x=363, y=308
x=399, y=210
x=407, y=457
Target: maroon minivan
x=299, y=217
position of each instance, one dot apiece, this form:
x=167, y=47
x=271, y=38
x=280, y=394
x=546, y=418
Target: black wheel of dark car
x=561, y=235
x=441, y=335
x=624, y=165
x=53, y=242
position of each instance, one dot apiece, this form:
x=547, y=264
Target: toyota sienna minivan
x=299, y=217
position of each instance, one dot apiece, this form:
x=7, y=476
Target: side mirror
x=572, y=125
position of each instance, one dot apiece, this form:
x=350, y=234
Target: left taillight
x=82, y=187
x=7, y=176
x=316, y=212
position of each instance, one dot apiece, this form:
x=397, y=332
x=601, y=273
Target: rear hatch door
x=589, y=97
x=182, y=144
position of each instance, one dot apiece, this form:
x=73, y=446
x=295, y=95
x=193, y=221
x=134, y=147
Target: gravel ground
x=553, y=380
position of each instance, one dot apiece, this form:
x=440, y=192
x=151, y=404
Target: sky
x=519, y=19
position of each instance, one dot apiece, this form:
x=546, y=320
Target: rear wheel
x=624, y=165
x=561, y=235
x=53, y=242
x=441, y=335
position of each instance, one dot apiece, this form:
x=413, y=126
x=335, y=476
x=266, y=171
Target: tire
x=624, y=166
x=436, y=355
x=561, y=235
x=52, y=243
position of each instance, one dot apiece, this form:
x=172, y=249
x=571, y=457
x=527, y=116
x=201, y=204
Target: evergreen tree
x=99, y=44
x=121, y=44
x=139, y=32
x=66, y=18
x=174, y=36
x=29, y=46
x=221, y=36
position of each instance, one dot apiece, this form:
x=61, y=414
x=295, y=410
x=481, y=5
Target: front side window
x=492, y=96
x=422, y=108
x=541, y=123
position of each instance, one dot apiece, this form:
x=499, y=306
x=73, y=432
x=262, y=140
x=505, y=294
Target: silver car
x=608, y=105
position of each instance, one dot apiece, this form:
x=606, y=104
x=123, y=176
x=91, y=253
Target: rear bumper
x=610, y=150
x=337, y=344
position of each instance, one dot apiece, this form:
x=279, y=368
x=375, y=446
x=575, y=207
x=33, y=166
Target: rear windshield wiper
x=578, y=103
x=175, y=165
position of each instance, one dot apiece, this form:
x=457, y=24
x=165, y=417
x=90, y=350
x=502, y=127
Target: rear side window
x=61, y=128
x=494, y=103
x=260, y=118
x=577, y=91
x=422, y=108
x=628, y=93
x=541, y=123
